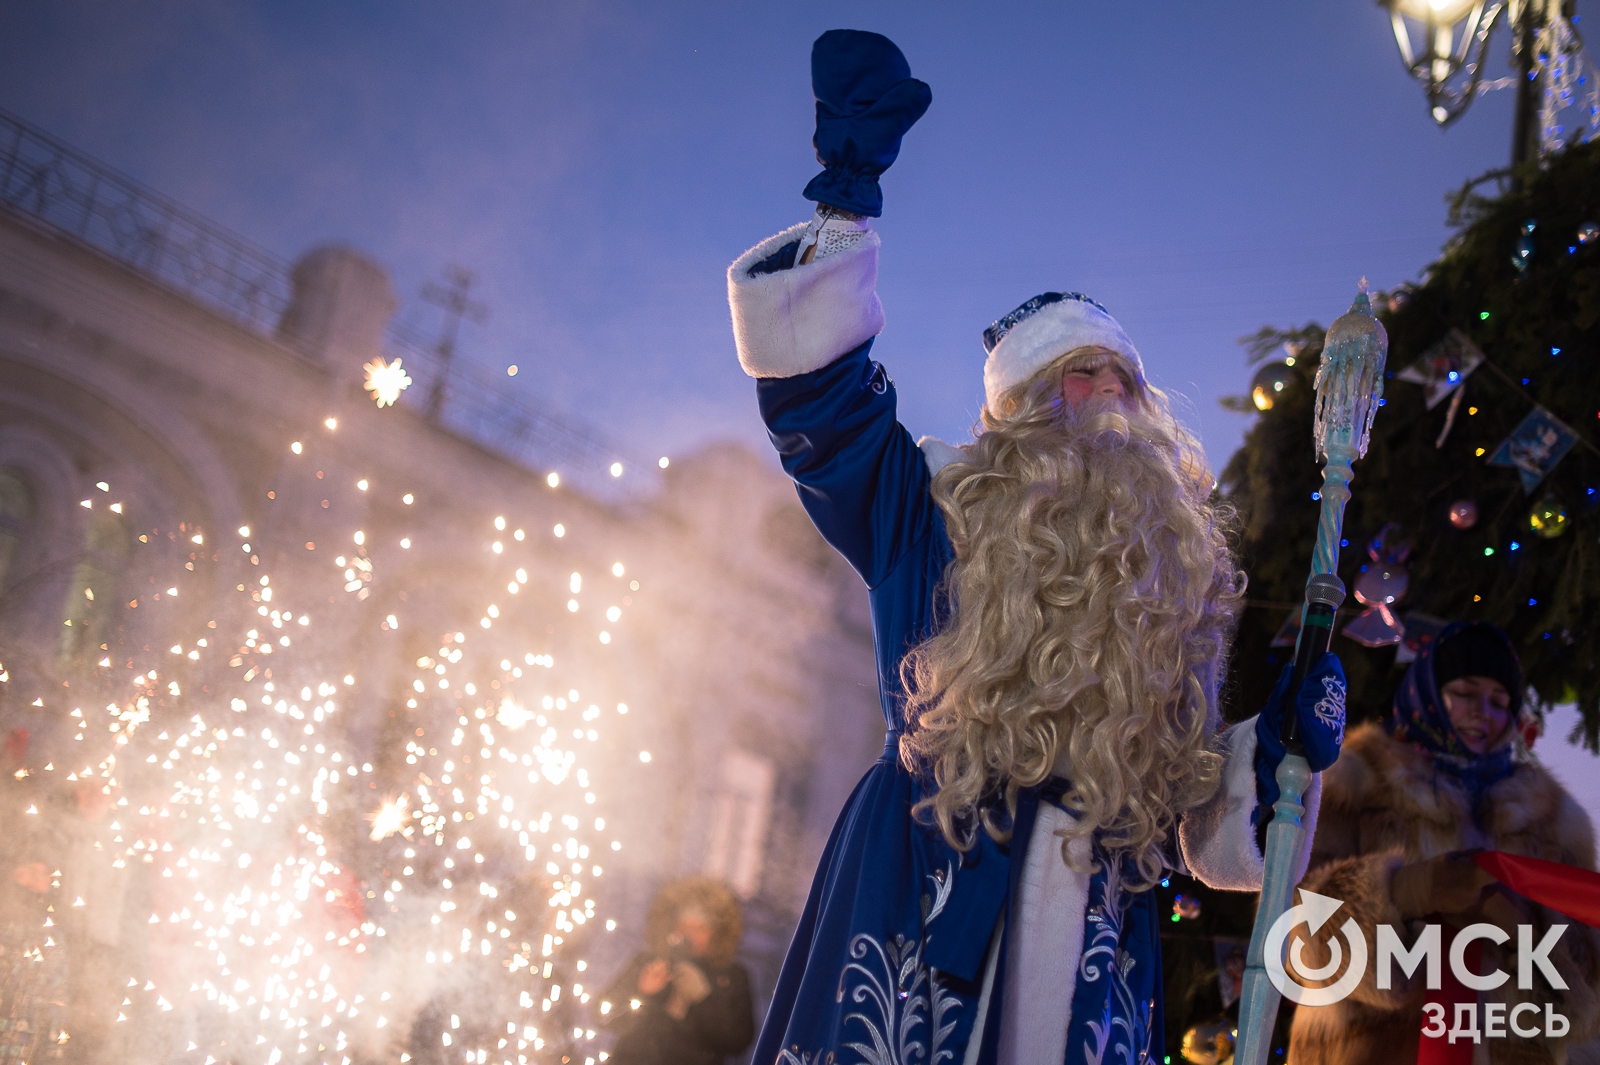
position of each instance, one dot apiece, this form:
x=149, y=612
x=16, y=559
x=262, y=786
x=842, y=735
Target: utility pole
x=453, y=300
x=1531, y=16
x=1524, y=132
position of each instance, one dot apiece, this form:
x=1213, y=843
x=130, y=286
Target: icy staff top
x=1350, y=380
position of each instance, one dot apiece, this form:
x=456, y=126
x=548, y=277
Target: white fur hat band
x=1041, y=331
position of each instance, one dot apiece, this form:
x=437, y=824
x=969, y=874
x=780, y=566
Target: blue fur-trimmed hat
x=1041, y=331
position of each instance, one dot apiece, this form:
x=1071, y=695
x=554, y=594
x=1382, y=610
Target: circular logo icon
x=1314, y=911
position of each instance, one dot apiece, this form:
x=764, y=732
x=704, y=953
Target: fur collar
x=1526, y=813
x=938, y=454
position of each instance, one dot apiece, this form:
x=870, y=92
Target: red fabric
x=1438, y=1050
x=1564, y=888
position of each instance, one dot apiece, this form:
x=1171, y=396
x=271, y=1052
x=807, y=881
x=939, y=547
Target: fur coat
x=1383, y=806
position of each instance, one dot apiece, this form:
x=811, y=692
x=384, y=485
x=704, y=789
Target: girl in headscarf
x=1445, y=773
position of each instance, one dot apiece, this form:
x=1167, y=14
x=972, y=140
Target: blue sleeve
x=860, y=476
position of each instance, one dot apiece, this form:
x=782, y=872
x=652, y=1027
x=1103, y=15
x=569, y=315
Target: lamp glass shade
x=1438, y=12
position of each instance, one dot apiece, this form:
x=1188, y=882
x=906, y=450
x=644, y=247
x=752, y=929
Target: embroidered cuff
x=1218, y=840
x=793, y=321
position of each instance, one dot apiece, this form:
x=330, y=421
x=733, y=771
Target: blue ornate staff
x=1349, y=386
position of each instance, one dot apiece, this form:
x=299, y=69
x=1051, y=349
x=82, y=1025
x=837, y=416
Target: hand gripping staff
x=1349, y=386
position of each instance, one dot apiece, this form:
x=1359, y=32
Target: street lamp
x=1443, y=44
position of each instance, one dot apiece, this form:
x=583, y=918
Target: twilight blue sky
x=1202, y=169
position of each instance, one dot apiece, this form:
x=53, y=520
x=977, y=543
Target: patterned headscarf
x=1420, y=717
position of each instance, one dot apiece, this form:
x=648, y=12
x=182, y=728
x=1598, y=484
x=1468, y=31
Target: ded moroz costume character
x=1051, y=606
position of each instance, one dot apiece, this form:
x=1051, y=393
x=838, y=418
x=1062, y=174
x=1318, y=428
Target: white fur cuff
x=794, y=321
x=938, y=454
x=1218, y=840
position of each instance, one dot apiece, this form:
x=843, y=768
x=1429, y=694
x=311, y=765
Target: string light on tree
x=1499, y=509
x=1522, y=250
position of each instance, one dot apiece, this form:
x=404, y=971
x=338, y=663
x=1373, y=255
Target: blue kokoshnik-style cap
x=1041, y=331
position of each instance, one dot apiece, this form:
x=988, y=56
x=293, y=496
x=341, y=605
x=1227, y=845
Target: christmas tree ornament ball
x=1209, y=1044
x=1463, y=514
x=1548, y=518
x=1269, y=383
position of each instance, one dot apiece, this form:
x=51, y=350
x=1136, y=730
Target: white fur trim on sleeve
x=1218, y=840
x=794, y=321
x=938, y=454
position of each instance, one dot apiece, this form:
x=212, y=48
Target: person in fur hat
x=1443, y=774
x=683, y=1000
x=1052, y=606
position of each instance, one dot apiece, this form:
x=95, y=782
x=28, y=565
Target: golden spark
x=511, y=715
x=389, y=818
x=386, y=380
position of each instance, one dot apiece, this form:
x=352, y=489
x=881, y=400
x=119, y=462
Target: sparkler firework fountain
x=321, y=893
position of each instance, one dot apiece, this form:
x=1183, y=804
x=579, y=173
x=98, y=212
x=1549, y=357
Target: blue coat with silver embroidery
x=887, y=961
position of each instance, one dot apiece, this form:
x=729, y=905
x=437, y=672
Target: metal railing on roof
x=73, y=194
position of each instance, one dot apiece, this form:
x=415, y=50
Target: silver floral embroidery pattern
x=943, y=881
x=1106, y=920
x=899, y=992
x=905, y=1005
x=1126, y=1027
x=1330, y=708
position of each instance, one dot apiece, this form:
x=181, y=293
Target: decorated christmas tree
x=1477, y=498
